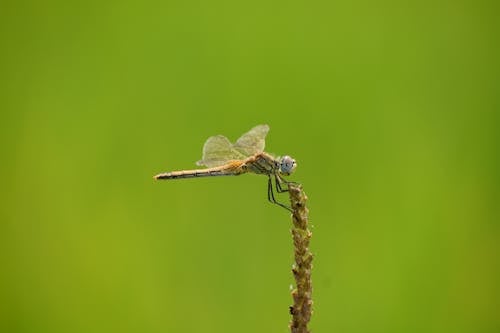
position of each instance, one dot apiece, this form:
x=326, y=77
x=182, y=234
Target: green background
x=390, y=108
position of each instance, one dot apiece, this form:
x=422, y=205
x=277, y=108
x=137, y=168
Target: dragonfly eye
x=287, y=165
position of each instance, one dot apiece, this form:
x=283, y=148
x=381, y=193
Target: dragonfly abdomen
x=195, y=174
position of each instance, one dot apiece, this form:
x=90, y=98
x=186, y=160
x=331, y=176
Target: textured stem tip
x=302, y=302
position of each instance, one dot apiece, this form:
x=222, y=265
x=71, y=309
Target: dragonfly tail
x=193, y=174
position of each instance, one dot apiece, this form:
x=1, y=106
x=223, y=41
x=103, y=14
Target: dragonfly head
x=287, y=165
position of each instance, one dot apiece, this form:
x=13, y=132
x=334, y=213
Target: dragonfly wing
x=218, y=151
x=252, y=142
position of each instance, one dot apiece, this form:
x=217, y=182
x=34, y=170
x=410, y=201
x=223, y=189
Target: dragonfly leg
x=280, y=181
x=270, y=195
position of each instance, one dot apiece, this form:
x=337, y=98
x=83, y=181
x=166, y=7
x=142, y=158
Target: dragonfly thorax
x=287, y=165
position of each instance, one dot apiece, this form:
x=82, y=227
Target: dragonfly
x=246, y=155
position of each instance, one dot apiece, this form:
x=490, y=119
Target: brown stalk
x=301, y=309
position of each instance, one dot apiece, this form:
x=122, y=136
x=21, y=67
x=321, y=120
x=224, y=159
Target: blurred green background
x=390, y=108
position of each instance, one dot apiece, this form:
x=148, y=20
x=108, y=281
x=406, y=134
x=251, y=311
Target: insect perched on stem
x=246, y=155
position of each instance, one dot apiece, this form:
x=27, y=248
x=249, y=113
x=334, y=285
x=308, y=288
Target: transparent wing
x=252, y=142
x=217, y=151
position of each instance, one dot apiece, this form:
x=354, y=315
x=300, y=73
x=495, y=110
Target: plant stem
x=302, y=302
